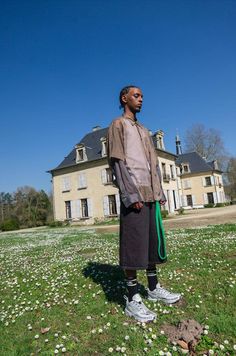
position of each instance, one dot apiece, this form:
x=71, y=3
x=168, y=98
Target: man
x=134, y=163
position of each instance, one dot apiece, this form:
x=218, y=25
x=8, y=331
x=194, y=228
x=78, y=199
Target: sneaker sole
x=142, y=320
x=172, y=301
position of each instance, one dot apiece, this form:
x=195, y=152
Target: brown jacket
x=132, y=157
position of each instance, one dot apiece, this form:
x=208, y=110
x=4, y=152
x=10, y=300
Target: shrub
x=180, y=211
x=106, y=221
x=10, y=224
x=164, y=214
x=55, y=223
x=210, y=205
x=219, y=205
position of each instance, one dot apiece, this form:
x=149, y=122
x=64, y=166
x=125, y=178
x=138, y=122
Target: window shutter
x=177, y=199
x=118, y=204
x=73, y=209
x=82, y=180
x=194, y=200
x=79, y=181
x=205, y=199
x=65, y=183
x=90, y=212
x=84, y=183
x=212, y=180
x=184, y=200
x=106, y=206
x=78, y=208
x=215, y=197
x=104, y=176
x=203, y=182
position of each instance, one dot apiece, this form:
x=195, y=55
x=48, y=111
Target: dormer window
x=104, y=146
x=80, y=153
x=159, y=140
x=185, y=168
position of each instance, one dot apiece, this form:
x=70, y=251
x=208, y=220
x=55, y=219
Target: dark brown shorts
x=138, y=237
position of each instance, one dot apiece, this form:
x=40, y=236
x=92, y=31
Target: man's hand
x=162, y=202
x=138, y=205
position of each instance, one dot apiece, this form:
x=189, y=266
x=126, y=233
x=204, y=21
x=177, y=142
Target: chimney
x=96, y=128
x=178, y=145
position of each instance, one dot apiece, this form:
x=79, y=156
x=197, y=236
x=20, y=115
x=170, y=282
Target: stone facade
x=83, y=190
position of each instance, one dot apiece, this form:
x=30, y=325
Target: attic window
x=159, y=139
x=185, y=168
x=104, y=146
x=80, y=153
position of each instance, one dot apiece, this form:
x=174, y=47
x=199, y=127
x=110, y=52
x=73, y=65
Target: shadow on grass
x=112, y=280
x=110, y=277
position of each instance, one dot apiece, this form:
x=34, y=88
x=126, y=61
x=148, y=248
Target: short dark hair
x=124, y=91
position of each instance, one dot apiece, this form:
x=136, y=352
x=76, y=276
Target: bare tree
x=207, y=143
x=230, y=188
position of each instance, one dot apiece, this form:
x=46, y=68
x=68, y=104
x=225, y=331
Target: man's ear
x=124, y=98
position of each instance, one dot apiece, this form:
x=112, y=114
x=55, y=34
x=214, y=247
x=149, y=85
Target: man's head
x=131, y=98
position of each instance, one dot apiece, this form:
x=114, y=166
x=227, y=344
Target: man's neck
x=129, y=114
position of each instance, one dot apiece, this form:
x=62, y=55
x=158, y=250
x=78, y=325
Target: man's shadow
x=112, y=280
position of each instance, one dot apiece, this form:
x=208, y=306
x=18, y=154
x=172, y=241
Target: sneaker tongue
x=137, y=298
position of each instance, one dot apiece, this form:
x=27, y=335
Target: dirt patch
x=186, y=334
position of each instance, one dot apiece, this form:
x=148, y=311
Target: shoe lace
x=163, y=291
x=139, y=305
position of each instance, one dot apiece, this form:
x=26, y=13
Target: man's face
x=134, y=99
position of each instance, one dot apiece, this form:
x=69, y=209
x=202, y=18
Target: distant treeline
x=25, y=208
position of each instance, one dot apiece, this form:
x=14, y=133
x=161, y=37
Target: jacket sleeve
x=163, y=197
x=128, y=192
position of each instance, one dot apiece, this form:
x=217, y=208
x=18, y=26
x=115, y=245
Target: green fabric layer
x=161, y=245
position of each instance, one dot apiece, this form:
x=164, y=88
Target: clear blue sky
x=63, y=63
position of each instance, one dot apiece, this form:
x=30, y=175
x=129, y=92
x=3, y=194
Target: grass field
x=61, y=292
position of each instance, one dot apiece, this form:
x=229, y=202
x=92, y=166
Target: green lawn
x=61, y=291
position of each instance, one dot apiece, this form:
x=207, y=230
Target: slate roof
x=196, y=162
x=93, y=148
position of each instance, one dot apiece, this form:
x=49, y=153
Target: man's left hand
x=162, y=202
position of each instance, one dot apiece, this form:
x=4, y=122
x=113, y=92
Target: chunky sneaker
x=163, y=295
x=138, y=310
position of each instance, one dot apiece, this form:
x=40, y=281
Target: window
x=172, y=172
x=106, y=175
x=80, y=153
x=66, y=184
x=159, y=139
x=163, y=167
x=84, y=208
x=165, y=176
x=111, y=205
x=189, y=200
x=82, y=183
x=208, y=181
x=186, y=168
x=186, y=183
x=68, y=209
x=210, y=198
x=104, y=146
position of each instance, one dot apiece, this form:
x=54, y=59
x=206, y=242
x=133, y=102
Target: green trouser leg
x=161, y=242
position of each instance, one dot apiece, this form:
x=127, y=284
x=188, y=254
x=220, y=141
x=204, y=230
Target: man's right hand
x=138, y=205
